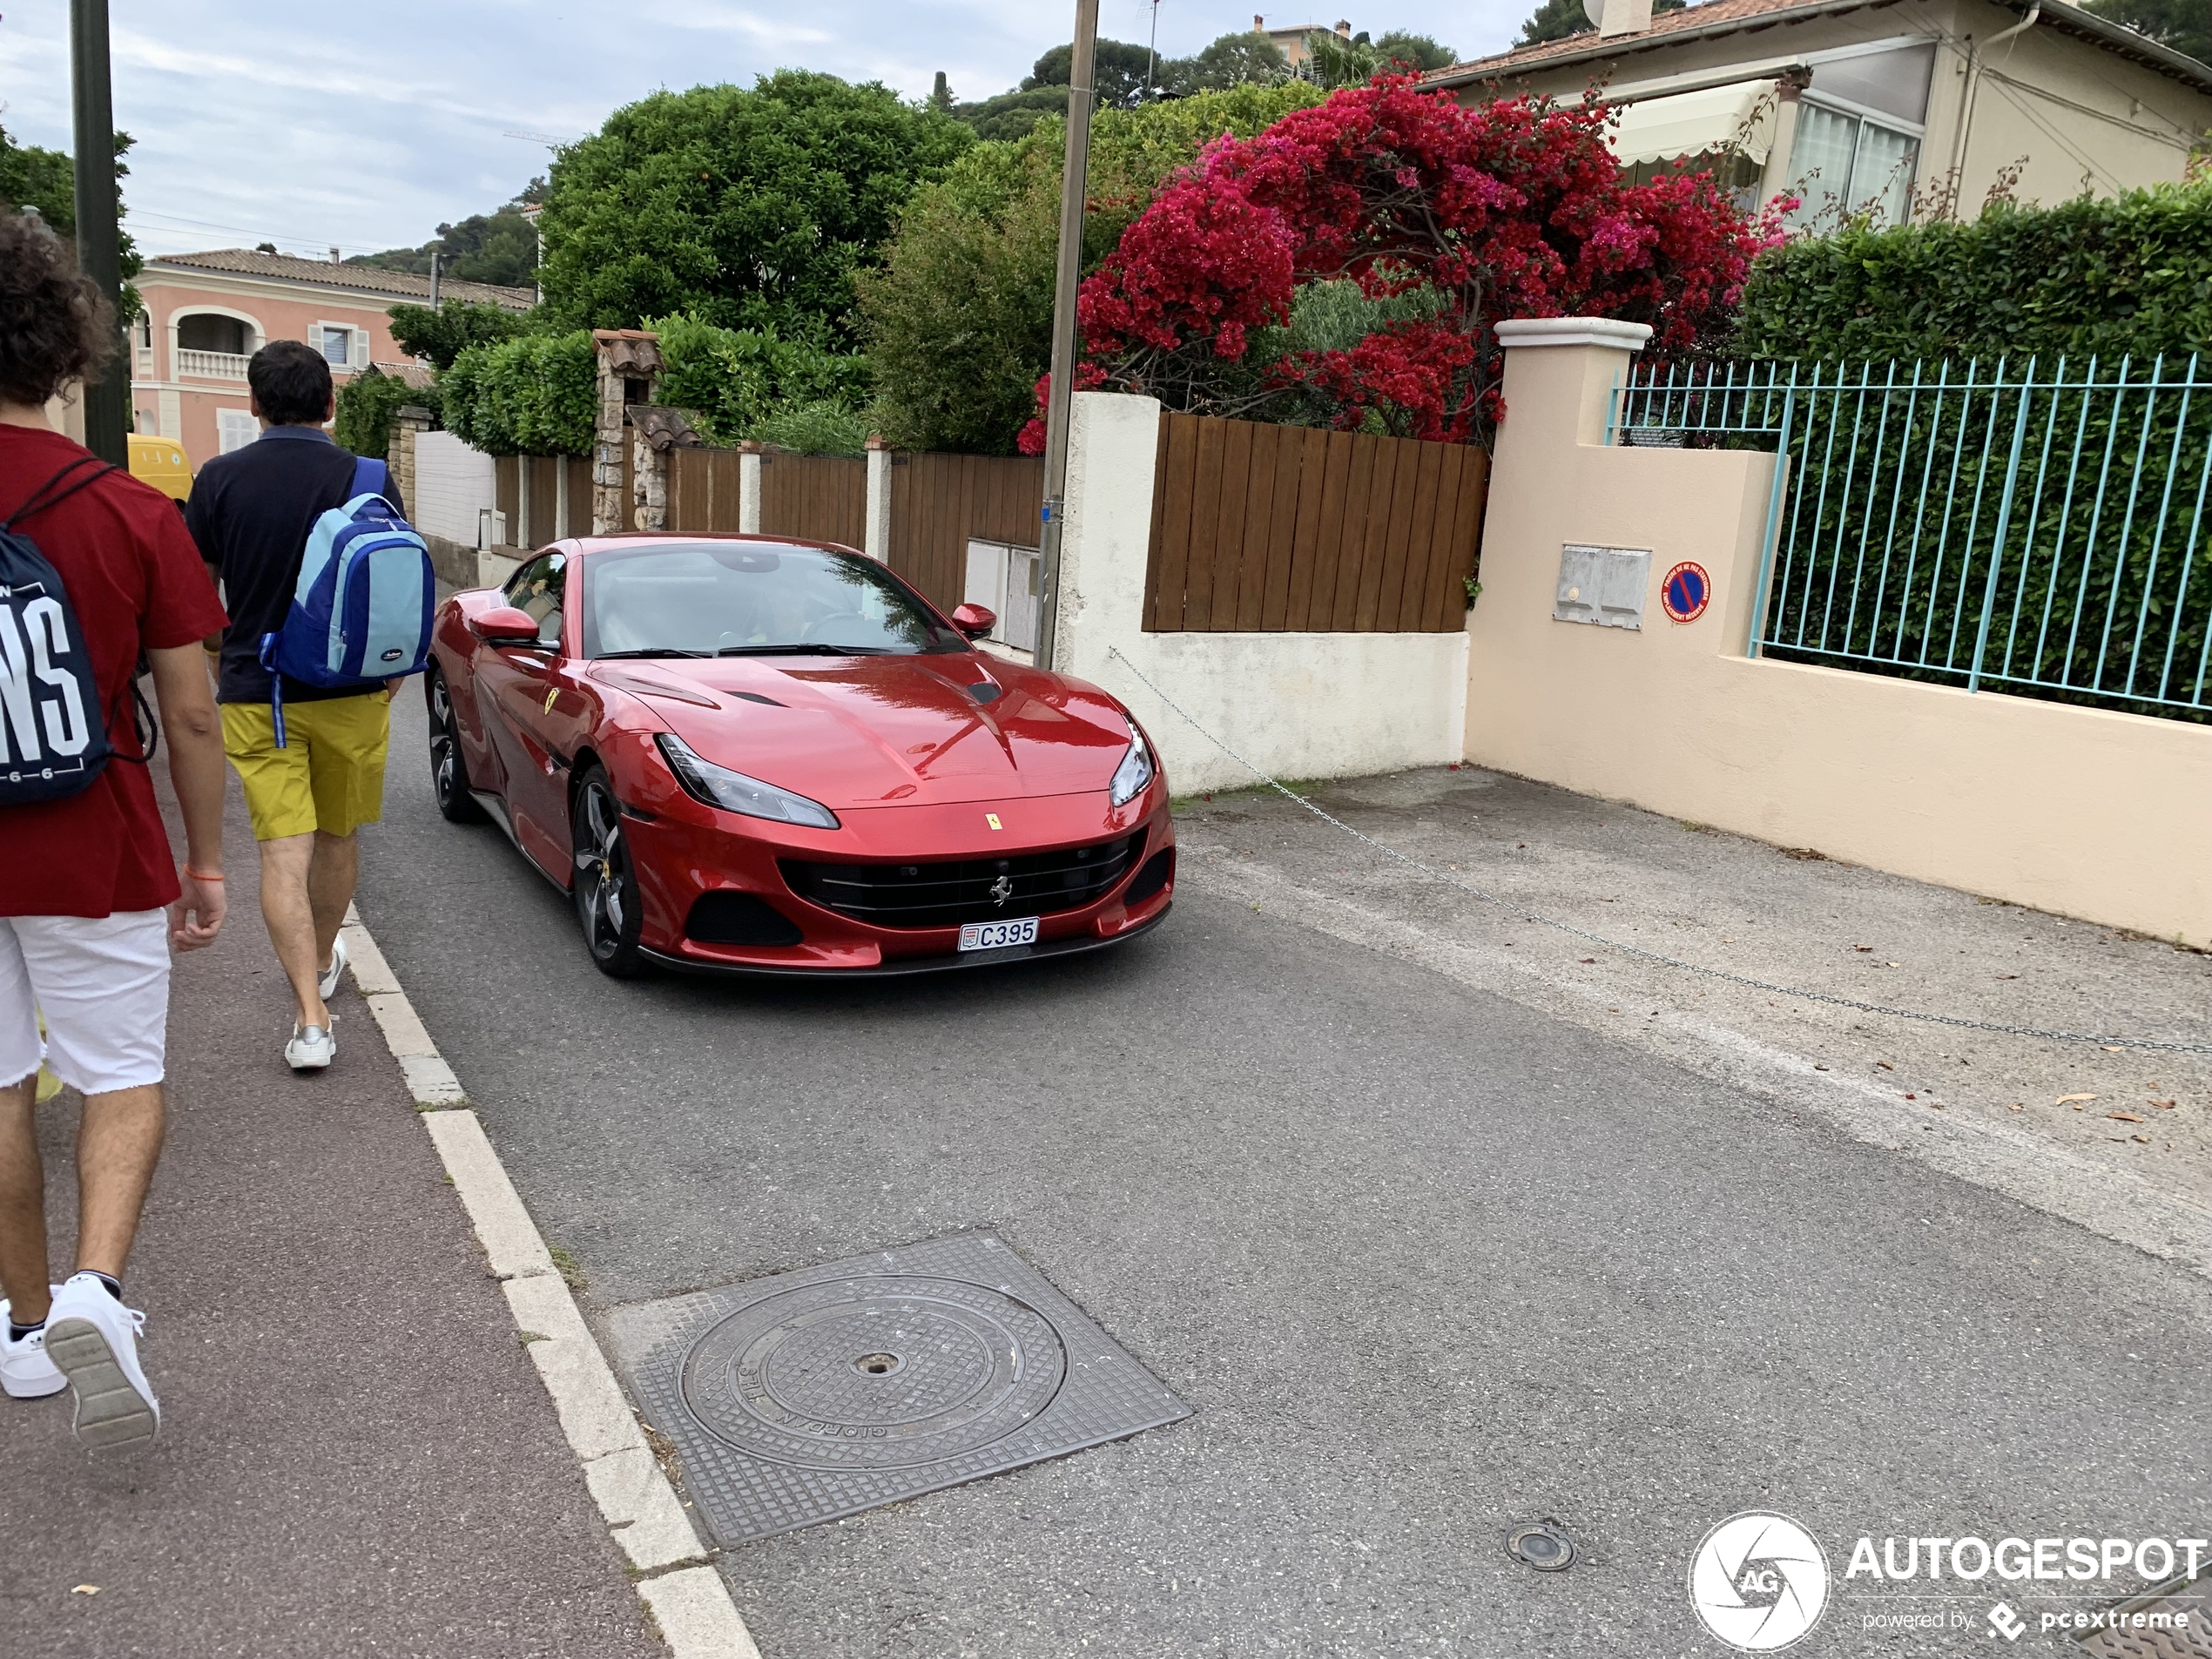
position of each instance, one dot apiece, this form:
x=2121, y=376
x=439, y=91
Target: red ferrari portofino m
x=752, y=755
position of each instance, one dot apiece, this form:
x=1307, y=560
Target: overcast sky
x=367, y=126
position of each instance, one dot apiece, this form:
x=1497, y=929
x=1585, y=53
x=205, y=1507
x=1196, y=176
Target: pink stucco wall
x=273, y=310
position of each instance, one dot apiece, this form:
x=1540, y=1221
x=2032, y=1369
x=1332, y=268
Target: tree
x=1451, y=218
x=500, y=247
x=2186, y=25
x=1557, y=19
x=1412, y=51
x=959, y=320
x=32, y=177
x=1233, y=60
x=1011, y=115
x=1118, y=73
x=941, y=95
x=443, y=335
x=750, y=208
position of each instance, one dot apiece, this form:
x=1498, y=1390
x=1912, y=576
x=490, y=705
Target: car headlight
x=735, y=792
x=1136, y=770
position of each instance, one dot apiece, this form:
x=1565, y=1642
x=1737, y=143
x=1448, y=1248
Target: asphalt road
x=1428, y=1263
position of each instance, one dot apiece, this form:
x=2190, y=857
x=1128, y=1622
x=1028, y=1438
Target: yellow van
x=160, y=462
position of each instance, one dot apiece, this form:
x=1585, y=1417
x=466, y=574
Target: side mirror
x=974, y=621
x=504, y=626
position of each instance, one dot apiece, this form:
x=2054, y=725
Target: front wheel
x=448, y=767
x=607, y=904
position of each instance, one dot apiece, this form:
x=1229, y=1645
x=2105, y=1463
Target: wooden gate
x=1265, y=528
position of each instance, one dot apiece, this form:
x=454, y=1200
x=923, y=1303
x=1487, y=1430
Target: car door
x=518, y=687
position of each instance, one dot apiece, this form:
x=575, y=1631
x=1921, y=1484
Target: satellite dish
x=1594, y=10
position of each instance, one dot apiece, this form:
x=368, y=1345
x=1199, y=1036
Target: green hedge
x=537, y=394
x=2127, y=274
x=367, y=403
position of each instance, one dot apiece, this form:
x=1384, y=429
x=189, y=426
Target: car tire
x=448, y=766
x=608, y=906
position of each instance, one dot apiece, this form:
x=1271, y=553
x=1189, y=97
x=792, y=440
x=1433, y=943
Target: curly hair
x=55, y=325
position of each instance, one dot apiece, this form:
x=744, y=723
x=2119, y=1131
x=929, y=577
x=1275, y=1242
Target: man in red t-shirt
x=90, y=897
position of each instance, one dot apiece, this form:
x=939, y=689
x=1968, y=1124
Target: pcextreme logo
x=1759, y=1582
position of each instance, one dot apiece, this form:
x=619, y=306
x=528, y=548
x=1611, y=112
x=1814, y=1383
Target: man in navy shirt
x=250, y=512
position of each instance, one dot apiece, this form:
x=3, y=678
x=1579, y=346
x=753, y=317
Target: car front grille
x=944, y=895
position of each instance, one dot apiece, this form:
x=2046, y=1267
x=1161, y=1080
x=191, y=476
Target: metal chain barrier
x=2163, y=1044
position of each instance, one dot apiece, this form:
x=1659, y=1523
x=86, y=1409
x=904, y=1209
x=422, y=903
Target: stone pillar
x=648, y=483
x=409, y=419
x=749, y=487
x=876, y=543
x=628, y=373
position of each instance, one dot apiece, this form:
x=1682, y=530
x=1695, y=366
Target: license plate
x=990, y=935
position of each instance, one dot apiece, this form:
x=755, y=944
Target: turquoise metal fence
x=2030, y=528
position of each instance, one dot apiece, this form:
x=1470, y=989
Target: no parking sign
x=1686, y=591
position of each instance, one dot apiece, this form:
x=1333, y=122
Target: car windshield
x=737, y=598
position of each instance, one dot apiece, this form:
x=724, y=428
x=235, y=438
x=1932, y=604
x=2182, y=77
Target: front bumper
x=682, y=850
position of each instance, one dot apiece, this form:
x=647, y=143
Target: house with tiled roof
x=1894, y=108
x=208, y=313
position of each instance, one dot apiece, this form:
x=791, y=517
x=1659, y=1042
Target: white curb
x=691, y=1605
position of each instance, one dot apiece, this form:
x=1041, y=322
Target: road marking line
x=690, y=1605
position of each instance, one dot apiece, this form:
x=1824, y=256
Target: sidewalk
x=357, y=1455
x=2032, y=1118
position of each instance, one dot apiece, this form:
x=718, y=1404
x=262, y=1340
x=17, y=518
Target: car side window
x=535, y=590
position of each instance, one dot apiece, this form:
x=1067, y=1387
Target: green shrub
x=367, y=403
x=735, y=380
x=959, y=320
x=825, y=426
x=536, y=394
x=2129, y=274
x=443, y=335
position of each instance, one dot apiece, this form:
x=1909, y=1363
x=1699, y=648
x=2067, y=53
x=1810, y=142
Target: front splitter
x=907, y=966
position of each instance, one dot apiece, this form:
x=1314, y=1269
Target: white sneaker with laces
x=312, y=1047
x=26, y=1372
x=93, y=1339
x=327, y=986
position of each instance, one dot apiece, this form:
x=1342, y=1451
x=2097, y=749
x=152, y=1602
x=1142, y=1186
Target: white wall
x=1297, y=705
x=452, y=481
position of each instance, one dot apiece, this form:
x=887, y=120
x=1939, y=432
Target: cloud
x=368, y=127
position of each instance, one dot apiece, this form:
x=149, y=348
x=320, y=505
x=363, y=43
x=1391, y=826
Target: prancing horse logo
x=1001, y=889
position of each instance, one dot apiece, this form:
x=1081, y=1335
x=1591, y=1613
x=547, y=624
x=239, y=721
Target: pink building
x=208, y=313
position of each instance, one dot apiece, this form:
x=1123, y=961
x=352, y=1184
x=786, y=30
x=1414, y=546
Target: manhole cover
x=819, y=1394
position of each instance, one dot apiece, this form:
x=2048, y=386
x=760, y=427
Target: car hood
x=856, y=731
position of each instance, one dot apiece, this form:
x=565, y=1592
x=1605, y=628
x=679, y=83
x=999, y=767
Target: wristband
x=200, y=876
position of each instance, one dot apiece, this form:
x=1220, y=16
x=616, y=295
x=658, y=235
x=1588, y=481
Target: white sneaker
x=25, y=1371
x=327, y=986
x=94, y=1340
x=312, y=1047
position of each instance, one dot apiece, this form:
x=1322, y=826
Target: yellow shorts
x=328, y=777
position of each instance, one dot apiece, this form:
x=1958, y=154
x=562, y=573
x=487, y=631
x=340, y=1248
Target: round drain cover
x=873, y=1373
x=1543, y=1545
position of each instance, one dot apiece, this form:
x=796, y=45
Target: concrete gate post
x=749, y=487
x=876, y=543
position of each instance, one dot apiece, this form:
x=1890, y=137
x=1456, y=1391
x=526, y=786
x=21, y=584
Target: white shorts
x=103, y=984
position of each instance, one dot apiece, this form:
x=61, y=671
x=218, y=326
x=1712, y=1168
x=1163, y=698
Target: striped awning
x=1694, y=124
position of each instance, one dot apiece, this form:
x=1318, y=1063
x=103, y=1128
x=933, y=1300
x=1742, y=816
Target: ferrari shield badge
x=992, y=819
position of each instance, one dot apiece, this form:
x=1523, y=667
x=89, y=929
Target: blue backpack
x=361, y=614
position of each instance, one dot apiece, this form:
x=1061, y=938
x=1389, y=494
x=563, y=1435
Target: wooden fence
x=1267, y=528
x=702, y=489
x=813, y=498
x=542, y=522
x=940, y=501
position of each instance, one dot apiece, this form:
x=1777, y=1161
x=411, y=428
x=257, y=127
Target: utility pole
x=1074, y=183
x=434, y=278
x=107, y=400
x=1152, y=52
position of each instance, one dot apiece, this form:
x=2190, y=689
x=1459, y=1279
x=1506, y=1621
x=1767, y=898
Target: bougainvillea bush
x=1447, y=219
